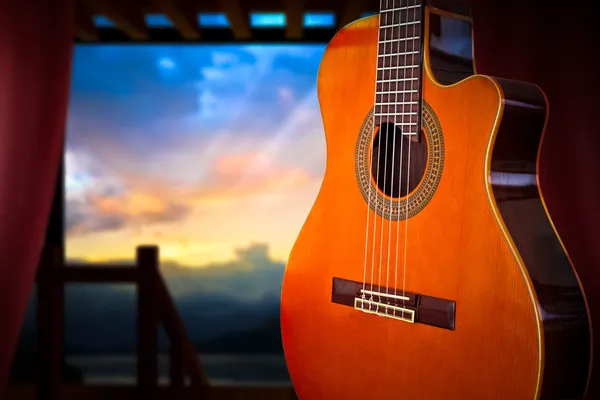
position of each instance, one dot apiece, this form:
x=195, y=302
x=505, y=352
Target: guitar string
x=403, y=114
x=395, y=114
x=377, y=176
x=409, y=145
x=395, y=76
x=369, y=158
x=387, y=136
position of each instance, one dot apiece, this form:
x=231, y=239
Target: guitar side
x=517, y=199
x=548, y=312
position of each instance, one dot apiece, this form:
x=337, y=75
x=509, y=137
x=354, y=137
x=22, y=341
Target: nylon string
x=371, y=168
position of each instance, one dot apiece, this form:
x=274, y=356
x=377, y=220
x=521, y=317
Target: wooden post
x=50, y=324
x=176, y=373
x=147, y=360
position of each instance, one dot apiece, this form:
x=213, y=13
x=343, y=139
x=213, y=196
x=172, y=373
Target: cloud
x=150, y=145
x=98, y=201
x=252, y=276
x=97, y=213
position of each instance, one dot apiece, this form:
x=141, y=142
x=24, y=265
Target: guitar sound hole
x=389, y=161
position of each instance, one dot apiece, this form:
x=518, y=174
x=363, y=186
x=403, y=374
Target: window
x=267, y=20
x=216, y=155
x=319, y=20
x=213, y=20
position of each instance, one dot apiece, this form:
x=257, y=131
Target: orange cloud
x=251, y=173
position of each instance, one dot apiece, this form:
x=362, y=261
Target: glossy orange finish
x=455, y=250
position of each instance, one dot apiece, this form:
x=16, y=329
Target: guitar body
x=501, y=313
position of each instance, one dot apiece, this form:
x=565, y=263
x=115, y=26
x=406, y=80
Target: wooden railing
x=154, y=306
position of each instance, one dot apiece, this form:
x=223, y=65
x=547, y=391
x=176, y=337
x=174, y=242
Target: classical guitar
x=428, y=267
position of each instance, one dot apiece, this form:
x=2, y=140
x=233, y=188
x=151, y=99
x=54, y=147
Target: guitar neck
x=399, y=65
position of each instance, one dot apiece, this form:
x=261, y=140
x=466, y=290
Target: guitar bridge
x=414, y=308
x=384, y=309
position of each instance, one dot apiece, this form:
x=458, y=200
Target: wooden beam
x=294, y=18
x=175, y=329
x=353, y=10
x=97, y=273
x=50, y=309
x=238, y=17
x=84, y=23
x=183, y=17
x=147, y=329
x=124, y=14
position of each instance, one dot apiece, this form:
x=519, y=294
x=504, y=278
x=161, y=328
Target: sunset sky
x=199, y=149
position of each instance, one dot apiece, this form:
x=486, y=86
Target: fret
x=400, y=24
x=398, y=46
x=401, y=8
x=396, y=108
x=405, y=115
x=396, y=80
x=397, y=67
x=398, y=91
x=399, y=39
x=388, y=5
x=399, y=31
x=396, y=98
x=406, y=119
x=411, y=128
x=399, y=61
x=402, y=53
x=396, y=84
x=398, y=103
x=394, y=74
x=404, y=125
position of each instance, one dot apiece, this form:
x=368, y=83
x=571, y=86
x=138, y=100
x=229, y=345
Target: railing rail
x=154, y=306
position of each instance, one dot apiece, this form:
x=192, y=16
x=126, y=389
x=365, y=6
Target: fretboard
x=398, y=95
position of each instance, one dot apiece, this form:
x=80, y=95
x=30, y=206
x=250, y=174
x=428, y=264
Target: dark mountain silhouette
x=263, y=339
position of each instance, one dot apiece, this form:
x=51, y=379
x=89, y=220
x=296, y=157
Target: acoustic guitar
x=428, y=267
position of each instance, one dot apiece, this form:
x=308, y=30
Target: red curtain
x=36, y=40
x=553, y=46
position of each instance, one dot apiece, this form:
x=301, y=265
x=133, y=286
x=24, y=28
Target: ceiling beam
x=294, y=12
x=353, y=10
x=238, y=18
x=183, y=16
x=84, y=24
x=125, y=15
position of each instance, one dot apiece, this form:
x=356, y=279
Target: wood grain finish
x=471, y=244
x=514, y=181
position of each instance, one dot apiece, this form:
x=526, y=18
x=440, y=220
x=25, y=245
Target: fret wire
x=397, y=67
x=400, y=24
x=400, y=113
x=399, y=39
x=409, y=124
x=401, y=8
x=398, y=91
x=400, y=102
x=394, y=80
x=406, y=53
